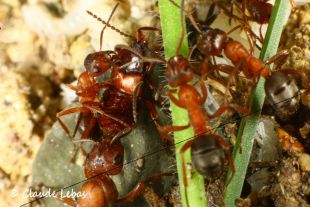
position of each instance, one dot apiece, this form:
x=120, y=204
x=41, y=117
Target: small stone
x=304, y=162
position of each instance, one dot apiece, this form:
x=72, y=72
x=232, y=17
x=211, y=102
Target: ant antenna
x=182, y=30
x=105, y=26
x=109, y=25
x=189, y=16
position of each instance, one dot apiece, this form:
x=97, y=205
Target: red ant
x=259, y=11
x=116, y=111
x=213, y=42
x=206, y=148
x=88, y=88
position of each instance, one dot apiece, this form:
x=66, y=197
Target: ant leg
x=261, y=37
x=74, y=157
x=174, y=99
x=70, y=111
x=135, y=102
x=225, y=107
x=163, y=130
x=139, y=189
x=189, y=16
x=77, y=124
x=157, y=91
x=211, y=15
x=87, y=132
x=234, y=29
x=120, y=134
x=204, y=90
x=95, y=109
x=231, y=12
x=244, y=5
x=228, y=13
x=74, y=88
x=225, y=68
x=293, y=5
x=182, y=150
x=191, y=52
x=223, y=142
x=252, y=42
x=281, y=56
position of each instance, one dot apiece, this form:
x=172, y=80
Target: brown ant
x=207, y=147
x=99, y=190
x=116, y=111
x=214, y=42
x=88, y=88
x=259, y=11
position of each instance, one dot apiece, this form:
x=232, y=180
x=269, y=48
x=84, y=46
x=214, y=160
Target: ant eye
x=118, y=160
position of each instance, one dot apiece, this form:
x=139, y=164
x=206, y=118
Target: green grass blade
x=171, y=30
x=278, y=19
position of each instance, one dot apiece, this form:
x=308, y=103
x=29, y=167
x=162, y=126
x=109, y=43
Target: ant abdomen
x=283, y=94
x=208, y=157
x=98, y=63
x=95, y=192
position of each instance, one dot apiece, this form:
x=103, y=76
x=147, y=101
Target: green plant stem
x=171, y=30
x=248, y=124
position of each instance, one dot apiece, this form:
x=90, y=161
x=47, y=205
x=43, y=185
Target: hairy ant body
x=88, y=89
x=116, y=111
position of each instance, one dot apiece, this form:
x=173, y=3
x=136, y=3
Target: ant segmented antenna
x=188, y=14
x=107, y=24
x=182, y=27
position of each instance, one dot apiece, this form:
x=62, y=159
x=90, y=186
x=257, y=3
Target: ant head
x=178, y=71
x=261, y=12
x=106, y=158
x=99, y=62
x=211, y=42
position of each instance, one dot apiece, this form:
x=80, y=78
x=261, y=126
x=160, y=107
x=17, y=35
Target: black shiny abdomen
x=208, y=157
